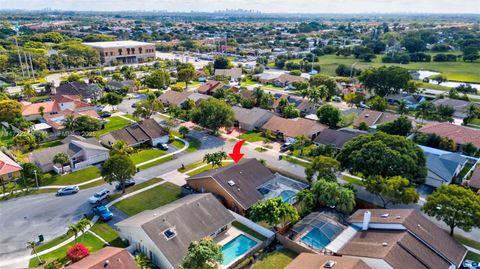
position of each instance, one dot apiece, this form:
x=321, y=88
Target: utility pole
x=36, y=179
x=31, y=66
x=26, y=62
x=19, y=57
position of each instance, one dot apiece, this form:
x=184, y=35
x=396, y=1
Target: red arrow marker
x=236, y=155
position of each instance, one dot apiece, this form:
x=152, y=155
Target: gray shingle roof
x=444, y=165
x=192, y=217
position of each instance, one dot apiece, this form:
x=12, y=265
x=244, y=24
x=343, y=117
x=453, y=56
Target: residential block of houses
x=144, y=132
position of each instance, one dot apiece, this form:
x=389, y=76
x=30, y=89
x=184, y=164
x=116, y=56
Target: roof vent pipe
x=366, y=220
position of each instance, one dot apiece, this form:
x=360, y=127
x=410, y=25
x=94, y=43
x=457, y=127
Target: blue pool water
x=236, y=248
x=286, y=195
x=316, y=239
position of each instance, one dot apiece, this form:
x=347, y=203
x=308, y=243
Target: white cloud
x=289, y=6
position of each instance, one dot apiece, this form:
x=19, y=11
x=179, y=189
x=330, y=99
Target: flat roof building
x=128, y=51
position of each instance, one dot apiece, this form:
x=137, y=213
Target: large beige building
x=124, y=51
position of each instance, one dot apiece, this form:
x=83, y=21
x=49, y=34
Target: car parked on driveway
x=103, y=212
x=163, y=146
x=128, y=183
x=99, y=196
x=285, y=147
x=469, y=264
x=68, y=190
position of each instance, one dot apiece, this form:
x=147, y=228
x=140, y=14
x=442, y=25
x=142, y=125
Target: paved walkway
x=94, y=220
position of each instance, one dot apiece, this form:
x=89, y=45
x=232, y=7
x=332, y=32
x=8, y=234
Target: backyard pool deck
x=229, y=235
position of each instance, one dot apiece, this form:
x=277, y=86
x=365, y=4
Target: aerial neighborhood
x=238, y=139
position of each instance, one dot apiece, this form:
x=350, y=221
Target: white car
x=471, y=264
x=99, y=196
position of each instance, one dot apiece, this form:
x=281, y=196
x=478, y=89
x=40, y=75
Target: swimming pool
x=315, y=239
x=286, y=195
x=236, y=248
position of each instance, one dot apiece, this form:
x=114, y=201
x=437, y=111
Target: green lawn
x=89, y=240
x=135, y=188
x=150, y=199
x=190, y=166
x=467, y=241
x=460, y=71
x=248, y=82
x=157, y=162
x=48, y=144
x=71, y=178
x=108, y=234
x=353, y=180
x=178, y=144
x=249, y=231
x=114, y=123
x=252, y=136
x=131, y=117
x=294, y=161
x=146, y=155
x=277, y=259
x=205, y=168
x=472, y=256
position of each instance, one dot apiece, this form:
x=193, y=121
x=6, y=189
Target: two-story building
x=127, y=52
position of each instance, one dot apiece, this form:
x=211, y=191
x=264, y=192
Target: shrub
x=77, y=252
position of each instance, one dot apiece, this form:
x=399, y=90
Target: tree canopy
x=393, y=190
x=384, y=155
x=401, y=126
x=456, y=206
x=118, y=168
x=213, y=114
x=385, y=80
x=274, y=211
x=331, y=194
x=203, y=254
x=329, y=115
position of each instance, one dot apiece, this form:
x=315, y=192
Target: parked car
x=128, y=183
x=134, y=105
x=105, y=114
x=285, y=147
x=337, y=99
x=99, y=196
x=469, y=264
x=103, y=212
x=363, y=105
x=163, y=146
x=68, y=190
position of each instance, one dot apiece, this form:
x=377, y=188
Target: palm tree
x=61, y=158
x=73, y=228
x=315, y=95
x=215, y=158
x=323, y=92
x=402, y=107
x=28, y=90
x=83, y=224
x=120, y=147
x=69, y=122
x=472, y=111
x=41, y=110
x=424, y=109
x=301, y=142
x=33, y=246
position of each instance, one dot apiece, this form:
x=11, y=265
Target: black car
x=105, y=114
x=128, y=183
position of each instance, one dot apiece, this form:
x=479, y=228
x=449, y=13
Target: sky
x=268, y=6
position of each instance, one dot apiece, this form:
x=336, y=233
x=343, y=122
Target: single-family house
x=82, y=152
x=175, y=98
x=337, y=137
x=318, y=261
x=460, y=134
x=305, y=106
x=106, y=258
x=9, y=169
x=144, y=132
x=442, y=166
x=266, y=78
x=242, y=185
x=87, y=91
x=285, y=80
x=233, y=73
x=164, y=234
x=59, y=103
x=250, y=119
x=412, y=100
x=460, y=106
x=210, y=87
x=289, y=129
x=399, y=239
x=373, y=118
x=115, y=85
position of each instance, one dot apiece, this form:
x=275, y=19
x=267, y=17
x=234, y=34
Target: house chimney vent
x=384, y=244
x=329, y=264
x=366, y=220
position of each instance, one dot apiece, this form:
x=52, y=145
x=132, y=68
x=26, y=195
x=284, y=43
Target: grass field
x=146, y=155
x=89, y=240
x=150, y=199
x=277, y=259
x=106, y=232
x=459, y=70
x=71, y=178
x=114, y=123
x=252, y=136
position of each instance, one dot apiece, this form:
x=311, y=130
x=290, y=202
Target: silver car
x=68, y=190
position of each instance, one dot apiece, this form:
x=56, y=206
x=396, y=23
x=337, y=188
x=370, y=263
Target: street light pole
x=351, y=70
x=36, y=179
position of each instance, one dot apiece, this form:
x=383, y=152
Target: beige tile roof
x=294, y=127
x=317, y=261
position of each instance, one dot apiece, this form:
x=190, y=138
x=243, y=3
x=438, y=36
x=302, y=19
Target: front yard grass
x=252, y=136
x=114, y=123
x=89, y=240
x=294, y=161
x=106, y=232
x=146, y=155
x=205, y=168
x=472, y=256
x=150, y=199
x=249, y=231
x=73, y=178
x=467, y=241
x=277, y=259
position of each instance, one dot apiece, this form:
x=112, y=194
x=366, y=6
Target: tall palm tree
x=315, y=95
x=41, y=110
x=73, y=228
x=61, y=158
x=473, y=111
x=33, y=246
x=323, y=92
x=28, y=90
x=69, y=123
x=402, y=107
x=215, y=158
x=424, y=110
